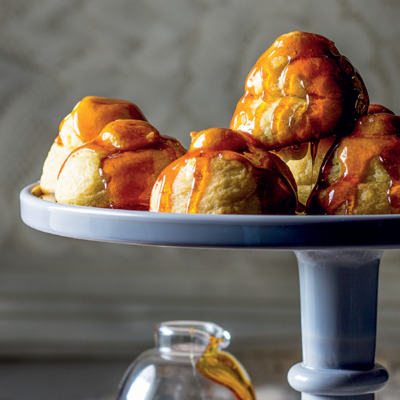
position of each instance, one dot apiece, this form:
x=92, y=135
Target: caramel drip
x=58, y=140
x=355, y=155
x=164, y=186
x=88, y=146
x=276, y=191
x=224, y=369
x=132, y=155
x=129, y=193
x=93, y=113
x=301, y=89
x=201, y=176
x=130, y=176
x=275, y=183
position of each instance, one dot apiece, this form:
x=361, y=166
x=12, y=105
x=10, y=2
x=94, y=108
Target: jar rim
x=181, y=335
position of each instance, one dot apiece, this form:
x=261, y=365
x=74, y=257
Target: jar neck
x=189, y=337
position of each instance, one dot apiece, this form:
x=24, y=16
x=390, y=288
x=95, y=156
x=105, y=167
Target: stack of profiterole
x=304, y=138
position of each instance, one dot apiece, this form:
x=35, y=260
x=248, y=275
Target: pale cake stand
x=338, y=259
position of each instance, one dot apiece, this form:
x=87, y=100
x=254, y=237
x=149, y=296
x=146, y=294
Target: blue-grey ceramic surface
x=200, y=230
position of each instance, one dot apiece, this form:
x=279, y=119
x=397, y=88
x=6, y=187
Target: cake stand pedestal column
x=338, y=295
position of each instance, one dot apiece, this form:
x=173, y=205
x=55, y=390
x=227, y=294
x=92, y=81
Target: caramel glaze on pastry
x=118, y=168
x=305, y=160
x=361, y=174
x=300, y=90
x=82, y=124
x=225, y=172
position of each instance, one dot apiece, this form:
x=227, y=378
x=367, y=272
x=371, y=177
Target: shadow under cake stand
x=338, y=259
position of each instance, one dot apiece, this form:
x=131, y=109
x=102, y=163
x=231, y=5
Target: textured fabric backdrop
x=184, y=63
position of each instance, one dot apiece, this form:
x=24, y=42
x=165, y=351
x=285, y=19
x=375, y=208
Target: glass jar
x=188, y=363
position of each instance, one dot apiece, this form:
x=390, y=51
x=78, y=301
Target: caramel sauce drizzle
x=274, y=180
x=375, y=137
x=93, y=113
x=132, y=153
x=201, y=176
x=224, y=369
x=316, y=90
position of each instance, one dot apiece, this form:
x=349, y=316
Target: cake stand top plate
x=199, y=230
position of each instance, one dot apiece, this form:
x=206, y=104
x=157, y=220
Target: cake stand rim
x=294, y=232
